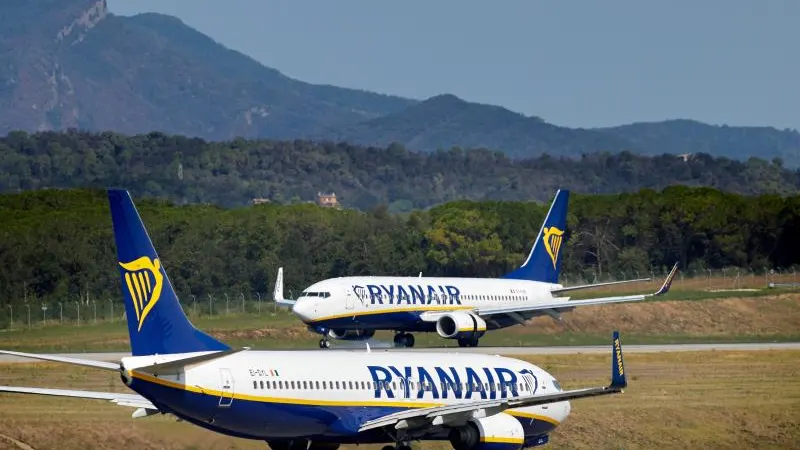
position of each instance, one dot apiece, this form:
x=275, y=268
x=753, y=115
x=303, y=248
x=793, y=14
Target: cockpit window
x=316, y=294
x=557, y=386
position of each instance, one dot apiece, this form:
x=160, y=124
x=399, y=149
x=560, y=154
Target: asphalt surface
x=515, y=351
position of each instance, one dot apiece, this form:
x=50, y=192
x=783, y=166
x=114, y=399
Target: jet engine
x=460, y=325
x=493, y=432
x=351, y=335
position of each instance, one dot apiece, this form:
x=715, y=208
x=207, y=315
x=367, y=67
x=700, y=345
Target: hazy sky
x=577, y=63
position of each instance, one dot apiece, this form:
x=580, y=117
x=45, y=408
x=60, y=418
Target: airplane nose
x=303, y=310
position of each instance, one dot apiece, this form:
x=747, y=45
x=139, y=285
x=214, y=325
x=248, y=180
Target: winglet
x=618, y=378
x=277, y=294
x=668, y=282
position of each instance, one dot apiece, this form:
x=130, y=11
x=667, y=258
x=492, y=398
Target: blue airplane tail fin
x=156, y=322
x=544, y=260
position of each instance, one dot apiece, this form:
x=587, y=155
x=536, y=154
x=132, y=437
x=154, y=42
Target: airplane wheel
x=409, y=341
x=463, y=342
x=324, y=343
x=388, y=447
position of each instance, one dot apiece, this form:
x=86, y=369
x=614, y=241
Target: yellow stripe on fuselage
x=502, y=440
x=297, y=401
x=420, y=309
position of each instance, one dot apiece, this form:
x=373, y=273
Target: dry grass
x=769, y=315
x=678, y=400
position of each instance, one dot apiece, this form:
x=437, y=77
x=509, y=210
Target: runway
x=508, y=351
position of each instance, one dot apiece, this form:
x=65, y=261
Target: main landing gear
x=468, y=341
x=403, y=340
x=399, y=447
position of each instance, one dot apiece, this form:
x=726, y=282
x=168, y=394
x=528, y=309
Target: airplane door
x=226, y=388
x=349, y=299
x=531, y=381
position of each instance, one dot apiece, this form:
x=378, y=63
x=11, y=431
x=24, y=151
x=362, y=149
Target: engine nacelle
x=499, y=431
x=351, y=335
x=460, y=324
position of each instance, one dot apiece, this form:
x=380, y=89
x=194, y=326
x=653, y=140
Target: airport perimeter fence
x=79, y=312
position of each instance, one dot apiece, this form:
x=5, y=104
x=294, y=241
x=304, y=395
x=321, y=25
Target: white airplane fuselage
x=397, y=303
x=326, y=395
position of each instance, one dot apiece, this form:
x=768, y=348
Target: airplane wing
x=554, y=307
x=105, y=365
x=458, y=414
x=595, y=285
x=277, y=295
x=131, y=400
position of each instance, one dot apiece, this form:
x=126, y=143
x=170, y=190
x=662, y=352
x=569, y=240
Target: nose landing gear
x=324, y=343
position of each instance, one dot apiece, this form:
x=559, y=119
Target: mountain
x=72, y=64
x=689, y=136
x=447, y=121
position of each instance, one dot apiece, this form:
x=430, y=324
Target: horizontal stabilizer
x=277, y=295
x=181, y=364
x=131, y=400
x=105, y=365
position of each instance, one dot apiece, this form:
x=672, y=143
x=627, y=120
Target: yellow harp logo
x=553, y=237
x=144, y=281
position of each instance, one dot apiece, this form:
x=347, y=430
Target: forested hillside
x=231, y=173
x=58, y=245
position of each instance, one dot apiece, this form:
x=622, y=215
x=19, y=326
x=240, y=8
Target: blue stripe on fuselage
x=273, y=420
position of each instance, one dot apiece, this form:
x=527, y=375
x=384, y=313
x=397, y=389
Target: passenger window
x=316, y=383
x=337, y=385
x=255, y=384
x=262, y=385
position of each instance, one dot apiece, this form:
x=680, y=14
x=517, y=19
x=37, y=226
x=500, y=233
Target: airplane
x=353, y=308
x=314, y=399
